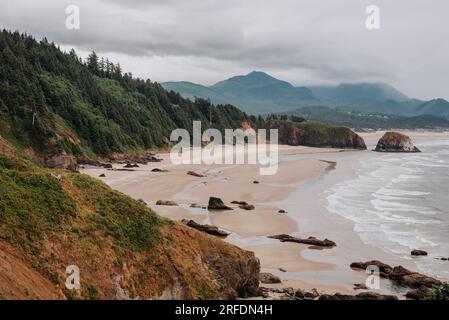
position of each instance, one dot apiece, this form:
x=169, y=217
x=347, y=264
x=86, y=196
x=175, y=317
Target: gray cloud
x=302, y=41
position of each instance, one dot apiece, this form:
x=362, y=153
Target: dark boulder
x=311, y=294
x=418, y=253
x=384, y=269
x=360, y=286
x=291, y=294
x=217, y=204
x=166, y=203
x=195, y=174
x=412, y=279
x=246, y=207
x=298, y=295
x=310, y=240
x=399, y=275
x=395, y=142
x=102, y=175
x=268, y=278
x=95, y=163
x=153, y=159
x=159, y=170
x=212, y=230
x=420, y=293
x=148, y=157
x=129, y=165
x=359, y=296
x=241, y=203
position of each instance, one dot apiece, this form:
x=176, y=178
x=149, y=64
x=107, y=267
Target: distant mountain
x=358, y=94
x=256, y=92
x=358, y=119
x=439, y=107
x=260, y=93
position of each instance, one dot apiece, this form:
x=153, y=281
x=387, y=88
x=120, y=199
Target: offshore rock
x=395, y=142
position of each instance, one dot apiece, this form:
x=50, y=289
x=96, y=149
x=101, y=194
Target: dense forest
x=54, y=101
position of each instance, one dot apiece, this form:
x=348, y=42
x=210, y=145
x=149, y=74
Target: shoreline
x=298, y=187
x=315, y=220
x=249, y=229
x=349, y=248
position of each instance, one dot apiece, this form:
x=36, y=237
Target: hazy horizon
x=303, y=42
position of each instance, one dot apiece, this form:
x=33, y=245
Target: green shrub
x=439, y=293
x=31, y=204
x=204, y=291
x=131, y=223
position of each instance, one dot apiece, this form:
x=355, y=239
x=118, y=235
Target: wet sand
x=234, y=182
x=228, y=182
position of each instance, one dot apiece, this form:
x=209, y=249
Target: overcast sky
x=302, y=41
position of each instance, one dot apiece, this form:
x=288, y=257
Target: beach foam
x=399, y=203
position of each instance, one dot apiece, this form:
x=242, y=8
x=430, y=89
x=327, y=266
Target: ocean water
x=399, y=202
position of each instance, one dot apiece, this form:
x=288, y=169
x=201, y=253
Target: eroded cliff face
x=62, y=161
x=395, y=142
x=52, y=219
x=215, y=268
x=191, y=266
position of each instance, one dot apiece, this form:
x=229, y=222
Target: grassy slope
x=47, y=224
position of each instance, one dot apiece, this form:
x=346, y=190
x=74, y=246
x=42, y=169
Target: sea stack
x=395, y=142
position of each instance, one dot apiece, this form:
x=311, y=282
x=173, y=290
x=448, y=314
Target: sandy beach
x=294, y=189
x=228, y=182
x=249, y=229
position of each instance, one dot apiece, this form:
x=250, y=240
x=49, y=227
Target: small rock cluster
x=419, y=283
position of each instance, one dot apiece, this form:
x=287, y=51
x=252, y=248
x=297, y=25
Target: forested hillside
x=53, y=102
x=255, y=92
